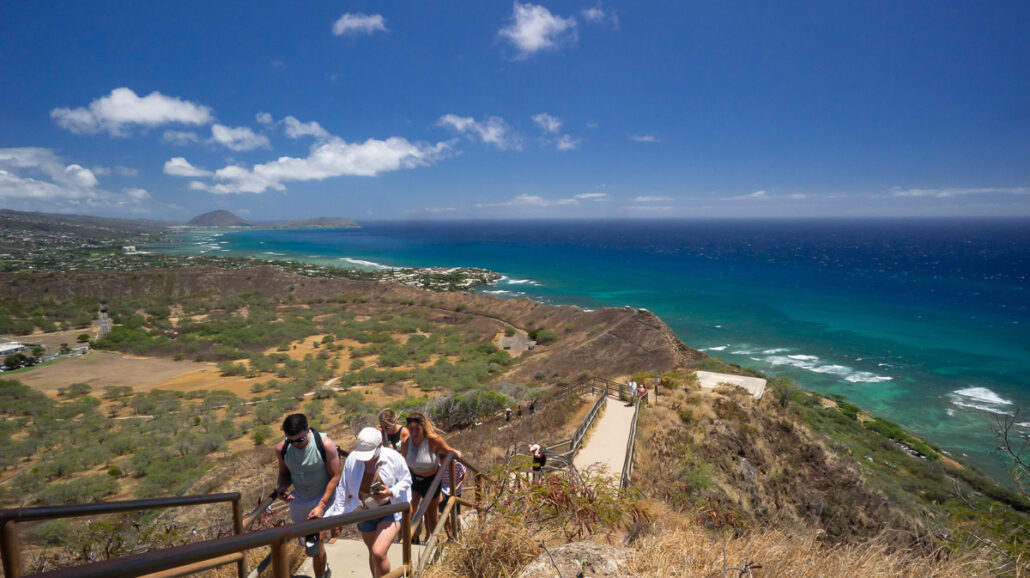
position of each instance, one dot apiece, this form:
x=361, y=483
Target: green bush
x=261, y=434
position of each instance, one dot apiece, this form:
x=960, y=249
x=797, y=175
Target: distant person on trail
x=642, y=393
x=539, y=461
x=423, y=450
x=308, y=460
x=507, y=414
x=520, y=411
x=374, y=475
x=532, y=407
x=394, y=433
x=632, y=385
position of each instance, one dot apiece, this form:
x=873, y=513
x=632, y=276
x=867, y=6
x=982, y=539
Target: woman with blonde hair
x=394, y=433
x=422, y=451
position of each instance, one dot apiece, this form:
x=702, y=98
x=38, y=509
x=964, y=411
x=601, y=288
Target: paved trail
x=350, y=558
x=607, y=443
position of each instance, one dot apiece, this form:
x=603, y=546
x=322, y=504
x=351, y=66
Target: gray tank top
x=307, y=470
x=421, y=460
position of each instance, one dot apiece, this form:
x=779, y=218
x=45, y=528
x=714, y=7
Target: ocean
x=922, y=322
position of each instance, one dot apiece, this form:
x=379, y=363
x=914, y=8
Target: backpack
x=318, y=444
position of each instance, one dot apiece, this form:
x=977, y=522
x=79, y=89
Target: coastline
x=745, y=309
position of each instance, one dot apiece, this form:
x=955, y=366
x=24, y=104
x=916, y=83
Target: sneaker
x=327, y=572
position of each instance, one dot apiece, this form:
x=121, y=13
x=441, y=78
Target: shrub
x=261, y=434
x=546, y=337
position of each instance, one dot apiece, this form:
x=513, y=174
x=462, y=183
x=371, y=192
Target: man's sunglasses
x=299, y=440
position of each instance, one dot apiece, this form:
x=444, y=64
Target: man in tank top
x=314, y=476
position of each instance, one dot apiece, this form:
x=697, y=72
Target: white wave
x=982, y=394
x=498, y=292
x=1024, y=424
x=273, y=253
x=949, y=411
x=980, y=406
x=808, y=362
x=520, y=281
x=718, y=326
x=718, y=348
x=365, y=263
x=742, y=352
x=775, y=351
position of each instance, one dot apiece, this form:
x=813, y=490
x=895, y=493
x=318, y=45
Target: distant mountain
x=219, y=218
x=317, y=223
x=222, y=218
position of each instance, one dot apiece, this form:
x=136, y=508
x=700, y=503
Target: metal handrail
x=627, y=465
x=9, y=517
x=275, y=537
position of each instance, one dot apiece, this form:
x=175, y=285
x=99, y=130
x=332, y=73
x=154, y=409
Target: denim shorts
x=371, y=525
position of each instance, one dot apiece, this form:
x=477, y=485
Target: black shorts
x=420, y=485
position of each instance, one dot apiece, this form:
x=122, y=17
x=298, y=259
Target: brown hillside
x=606, y=342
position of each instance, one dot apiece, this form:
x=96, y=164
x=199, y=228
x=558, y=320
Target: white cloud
x=652, y=199
x=180, y=138
x=263, y=118
x=643, y=138
x=534, y=28
x=355, y=24
x=239, y=138
x=547, y=122
x=335, y=158
x=531, y=201
x=180, y=167
x=492, y=131
x=296, y=129
x=137, y=194
x=946, y=192
x=599, y=15
x=121, y=110
x=596, y=197
x=36, y=178
x=567, y=143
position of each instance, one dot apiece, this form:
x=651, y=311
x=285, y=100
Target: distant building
x=12, y=347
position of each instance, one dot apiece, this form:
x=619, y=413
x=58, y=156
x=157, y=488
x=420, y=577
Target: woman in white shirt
x=374, y=475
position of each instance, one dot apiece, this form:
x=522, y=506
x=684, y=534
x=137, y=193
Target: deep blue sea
x=923, y=322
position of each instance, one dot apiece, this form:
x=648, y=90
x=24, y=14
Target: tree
x=14, y=361
x=83, y=338
x=1016, y=447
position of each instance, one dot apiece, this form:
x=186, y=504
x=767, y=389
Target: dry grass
x=491, y=550
x=681, y=548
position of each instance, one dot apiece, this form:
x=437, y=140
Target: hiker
x=374, y=475
x=532, y=407
x=642, y=393
x=520, y=410
x=445, y=488
x=507, y=414
x=394, y=433
x=422, y=450
x=632, y=385
x=539, y=460
x=308, y=460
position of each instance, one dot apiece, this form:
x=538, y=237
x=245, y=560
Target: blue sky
x=441, y=109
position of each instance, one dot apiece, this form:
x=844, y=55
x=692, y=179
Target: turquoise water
x=923, y=322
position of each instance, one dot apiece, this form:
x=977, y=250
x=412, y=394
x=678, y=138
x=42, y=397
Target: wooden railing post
x=280, y=559
x=237, y=529
x=406, y=540
x=9, y=545
x=454, y=496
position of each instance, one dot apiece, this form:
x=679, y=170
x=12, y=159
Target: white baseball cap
x=369, y=440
